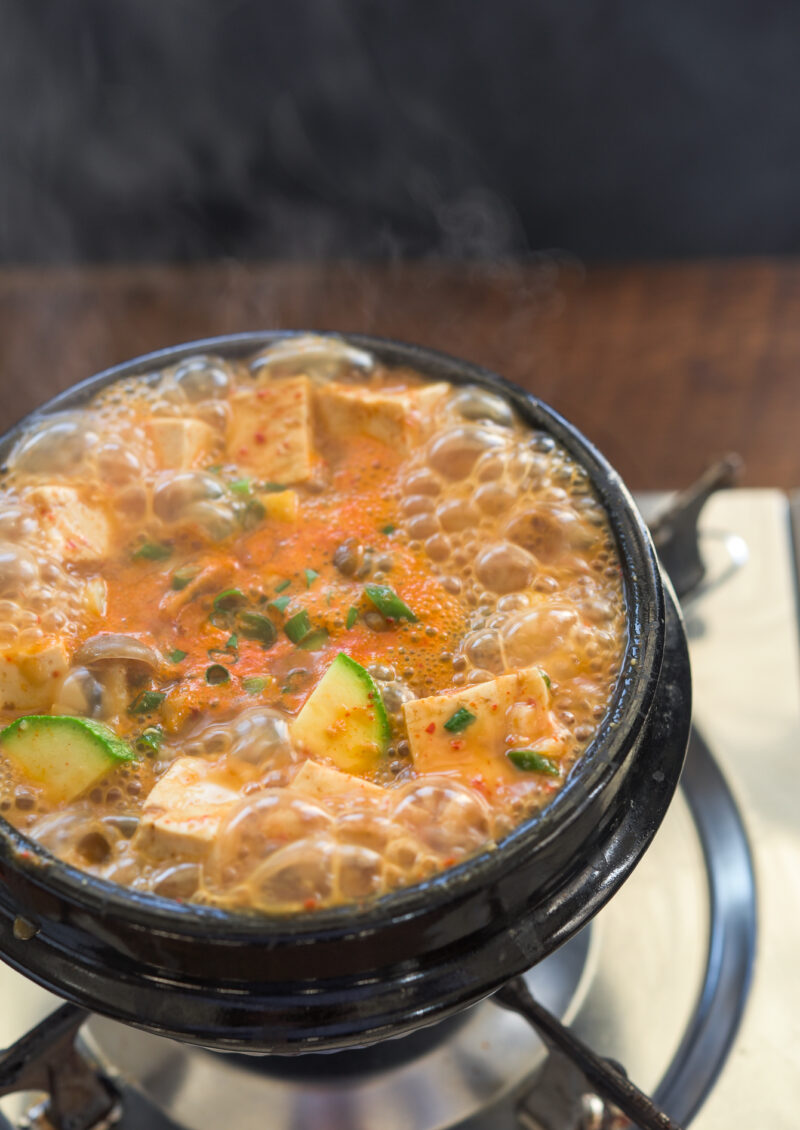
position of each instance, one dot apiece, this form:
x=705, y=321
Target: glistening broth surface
x=351, y=626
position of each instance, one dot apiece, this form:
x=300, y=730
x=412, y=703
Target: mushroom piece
x=116, y=646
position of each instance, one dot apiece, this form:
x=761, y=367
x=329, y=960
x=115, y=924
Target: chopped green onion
x=388, y=529
x=232, y=642
x=215, y=468
x=253, y=513
x=271, y=488
x=459, y=720
x=176, y=656
x=216, y=674
x=281, y=603
x=546, y=678
x=229, y=599
x=254, y=626
x=146, y=702
x=297, y=626
x=181, y=580
x=283, y=585
x=389, y=603
x=152, y=551
x=240, y=486
x=313, y=641
x=352, y=616
x=532, y=762
x=311, y=576
x=149, y=741
x=254, y=684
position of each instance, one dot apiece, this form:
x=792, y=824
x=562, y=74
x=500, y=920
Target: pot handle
x=46, y=1059
x=608, y=1080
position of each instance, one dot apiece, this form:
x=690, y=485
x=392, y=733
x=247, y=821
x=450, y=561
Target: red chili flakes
x=310, y=904
x=494, y=706
x=260, y=438
x=430, y=727
x=456, y=743
x=242, y=452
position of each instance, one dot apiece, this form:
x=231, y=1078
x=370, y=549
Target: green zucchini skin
x=62, y=754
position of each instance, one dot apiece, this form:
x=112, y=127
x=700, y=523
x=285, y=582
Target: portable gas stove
x=688, y=977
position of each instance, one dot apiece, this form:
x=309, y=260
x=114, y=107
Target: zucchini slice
x=62, y=754
x=344, y=718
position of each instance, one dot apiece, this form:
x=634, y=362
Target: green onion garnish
x=283, y=585
x=297, y=626
x=216, y=674
x=389, y=603
x=313, y=641
x=229, y=599
x=459, y=720
x=146, y=702
x=176, y=656
x=546, y=678
x=254, y=684
x=232, y=642
x=149, y=741
x=254, y=512
x=532, y=762
x=281, y=603
x=311, y=576
x=240, y=486
x=152, y=551
x=254, y=626
x=271, y=488
x=388, y=529
x=352, y=616
x=181, y=580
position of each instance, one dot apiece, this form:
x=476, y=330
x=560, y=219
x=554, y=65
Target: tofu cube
x=178, y=444
x=75, y=531
x=184, y=811
x=323, y=781
x=270, y=430
x=510, y=712
x=30, y=680
x=394, y=418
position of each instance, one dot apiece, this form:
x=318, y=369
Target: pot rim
x=599, y=764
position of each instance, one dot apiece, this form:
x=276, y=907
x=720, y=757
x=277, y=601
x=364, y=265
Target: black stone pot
x=354, y=975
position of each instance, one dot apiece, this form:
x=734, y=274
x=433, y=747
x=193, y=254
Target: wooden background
x=665, y=367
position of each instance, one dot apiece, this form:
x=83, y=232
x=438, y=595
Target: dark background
x=191, y=129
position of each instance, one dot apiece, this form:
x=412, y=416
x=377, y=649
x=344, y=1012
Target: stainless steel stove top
x=632, y=985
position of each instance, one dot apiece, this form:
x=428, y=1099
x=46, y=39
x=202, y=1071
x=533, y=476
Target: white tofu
x=177, y=443
x=74, y=531
x=31, y=680
x=183, y=813
x=394, y=418
x=322, y=781
x=270, y=430
x=511, y=711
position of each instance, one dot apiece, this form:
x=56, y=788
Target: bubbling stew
x=295, y=631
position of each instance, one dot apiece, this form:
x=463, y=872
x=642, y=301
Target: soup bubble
x=295, y=874
x=18, y=570
x=176, y=494
x=261, y=826
x=475, y=403
x=455, y=452
x=445, y=815
x=505, y=567
x=203, y=378
x=58, y=443
x=535, y=636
